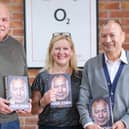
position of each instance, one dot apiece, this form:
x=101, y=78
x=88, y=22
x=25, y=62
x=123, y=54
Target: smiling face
x=112, y=38
x=17, y=88
x=61, y=52
x=60, y=85
x=4, y=21
x=100, y=112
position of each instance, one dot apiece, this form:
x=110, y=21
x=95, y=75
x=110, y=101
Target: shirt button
x=112, y=93
x=108, y=84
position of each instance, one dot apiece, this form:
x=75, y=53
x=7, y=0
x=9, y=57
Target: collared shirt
x=113, y=66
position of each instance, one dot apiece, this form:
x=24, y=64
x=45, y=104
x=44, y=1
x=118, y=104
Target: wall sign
x=44, y=17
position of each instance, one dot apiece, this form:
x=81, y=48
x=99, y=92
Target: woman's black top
x=59, y=117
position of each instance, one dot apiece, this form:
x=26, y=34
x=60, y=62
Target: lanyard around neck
x=112, y=86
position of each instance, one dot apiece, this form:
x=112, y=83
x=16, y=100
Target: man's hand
x=4, y=106
x=93, y=126
x=25, y=112
x=118, y=125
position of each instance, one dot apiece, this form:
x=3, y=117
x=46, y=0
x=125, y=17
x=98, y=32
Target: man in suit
x=107, y=75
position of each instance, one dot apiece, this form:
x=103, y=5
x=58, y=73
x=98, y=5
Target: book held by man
x=100, y=110
x=61, y=83
x=17, y=92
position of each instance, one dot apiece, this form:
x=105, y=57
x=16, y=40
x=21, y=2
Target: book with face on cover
x=101, y=112
x=17, y=92
x=61, y=83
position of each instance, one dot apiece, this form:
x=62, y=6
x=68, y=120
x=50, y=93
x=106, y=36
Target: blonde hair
x=49, y=60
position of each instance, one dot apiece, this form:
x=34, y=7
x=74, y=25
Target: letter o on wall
x=60, y=14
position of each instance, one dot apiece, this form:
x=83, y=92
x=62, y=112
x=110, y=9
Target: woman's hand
x=48, y=97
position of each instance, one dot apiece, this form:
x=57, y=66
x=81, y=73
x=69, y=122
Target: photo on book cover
x=17, y=92
x=101, y=112
x=62, y=85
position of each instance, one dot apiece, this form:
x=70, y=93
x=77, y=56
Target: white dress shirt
x=113, y=66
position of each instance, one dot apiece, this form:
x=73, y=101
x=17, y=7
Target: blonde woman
x=61, y=58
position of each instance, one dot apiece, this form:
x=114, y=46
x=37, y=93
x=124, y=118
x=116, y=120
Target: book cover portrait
x=17, y=92
x=62, y=85
x=101, y=112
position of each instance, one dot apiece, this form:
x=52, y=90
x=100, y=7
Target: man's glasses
x=66, y=34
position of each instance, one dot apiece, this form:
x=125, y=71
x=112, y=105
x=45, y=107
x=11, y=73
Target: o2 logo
x=61, y=15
